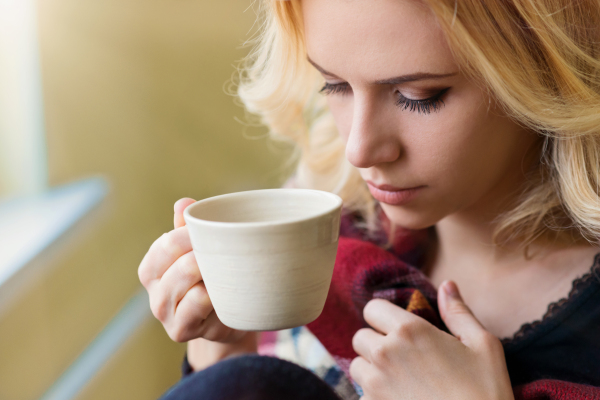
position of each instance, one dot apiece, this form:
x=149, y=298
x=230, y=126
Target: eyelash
x=425, y=106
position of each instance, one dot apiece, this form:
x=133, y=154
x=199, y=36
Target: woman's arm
x=202, y=353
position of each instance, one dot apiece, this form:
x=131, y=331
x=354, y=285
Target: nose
x=372, y=139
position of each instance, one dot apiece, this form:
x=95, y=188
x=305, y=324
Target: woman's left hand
x=406, y=357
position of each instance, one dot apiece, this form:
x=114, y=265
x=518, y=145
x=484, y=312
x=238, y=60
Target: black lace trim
x=579, y=286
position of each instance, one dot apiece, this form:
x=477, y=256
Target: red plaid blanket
x=364, y=271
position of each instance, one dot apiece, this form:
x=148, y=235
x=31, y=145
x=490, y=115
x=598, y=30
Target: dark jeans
x=252, y=377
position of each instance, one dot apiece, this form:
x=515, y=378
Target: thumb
x=456, y=314
x=179, y=207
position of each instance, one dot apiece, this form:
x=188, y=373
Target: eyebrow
x=418, y=76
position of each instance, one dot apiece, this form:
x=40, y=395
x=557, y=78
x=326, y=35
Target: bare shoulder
x=572, y=261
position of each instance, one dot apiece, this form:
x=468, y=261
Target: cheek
x=471, y=151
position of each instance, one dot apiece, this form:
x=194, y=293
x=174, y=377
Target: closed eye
x=421, y=106
x=335, y=88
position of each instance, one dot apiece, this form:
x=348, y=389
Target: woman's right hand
x=178, y=297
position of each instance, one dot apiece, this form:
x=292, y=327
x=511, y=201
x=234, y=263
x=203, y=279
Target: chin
x=409, y=218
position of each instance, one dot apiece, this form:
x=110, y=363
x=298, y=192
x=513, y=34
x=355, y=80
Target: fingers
x=214, y=330
x=367, y=343
x=179, y=207
x=179, y=279
x=456, y=315
x=359, y=368
x=386, y=317
x=195, y=304
x=190, y=317
x=162, y=254
x=180, y=301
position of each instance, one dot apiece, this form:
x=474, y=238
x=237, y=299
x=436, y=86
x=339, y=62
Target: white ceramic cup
x=266, y=256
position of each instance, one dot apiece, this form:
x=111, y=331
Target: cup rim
x=336, y=205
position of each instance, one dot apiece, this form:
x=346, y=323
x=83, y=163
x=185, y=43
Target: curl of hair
x=540, y=60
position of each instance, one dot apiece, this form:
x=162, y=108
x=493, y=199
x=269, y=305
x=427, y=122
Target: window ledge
x=30, y=224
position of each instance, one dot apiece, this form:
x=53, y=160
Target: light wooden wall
x=133, y=91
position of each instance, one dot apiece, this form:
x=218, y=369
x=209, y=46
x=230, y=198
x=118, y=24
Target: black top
x=565, y=343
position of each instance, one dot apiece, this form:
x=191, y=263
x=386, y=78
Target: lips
x=393, y=195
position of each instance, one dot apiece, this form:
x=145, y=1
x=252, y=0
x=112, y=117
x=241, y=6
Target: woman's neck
x=465, y=242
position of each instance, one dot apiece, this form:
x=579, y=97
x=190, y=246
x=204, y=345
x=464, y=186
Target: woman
x=477, y=119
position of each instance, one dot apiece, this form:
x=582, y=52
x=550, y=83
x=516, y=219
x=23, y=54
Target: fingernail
x=452, y=290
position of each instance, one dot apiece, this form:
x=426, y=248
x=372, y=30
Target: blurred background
x=110, y=111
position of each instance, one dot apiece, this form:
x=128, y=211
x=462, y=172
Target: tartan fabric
x=552, y=389
x=353, y=286
x=300, y=346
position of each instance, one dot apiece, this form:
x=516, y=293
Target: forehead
x=374, y=39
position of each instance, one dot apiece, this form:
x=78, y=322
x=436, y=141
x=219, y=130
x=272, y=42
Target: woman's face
x=409, y=118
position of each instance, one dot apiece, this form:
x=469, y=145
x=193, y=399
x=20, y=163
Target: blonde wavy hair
x=538, y=58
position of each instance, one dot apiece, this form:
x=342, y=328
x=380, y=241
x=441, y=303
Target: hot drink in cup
x=266, y=256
